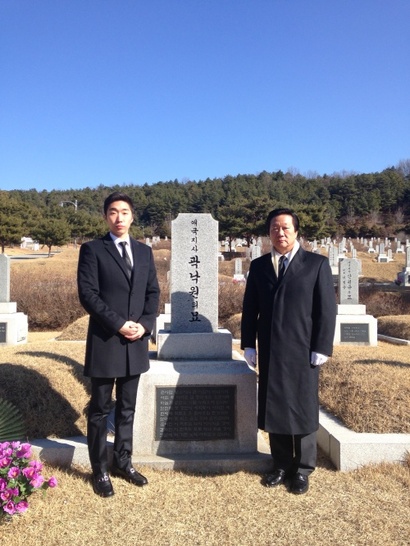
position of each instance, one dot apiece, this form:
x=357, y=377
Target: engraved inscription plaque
x=195, y=413
x=354, y=333
x=3, y=332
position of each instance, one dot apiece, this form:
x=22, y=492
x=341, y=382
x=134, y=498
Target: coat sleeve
x=250, y=311
x=152, y=293
x=324, y=311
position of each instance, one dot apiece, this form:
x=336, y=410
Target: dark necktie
x=126, y=258
x=282, y=267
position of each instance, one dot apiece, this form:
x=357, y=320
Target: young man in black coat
x=289, y=308
x=118, y=287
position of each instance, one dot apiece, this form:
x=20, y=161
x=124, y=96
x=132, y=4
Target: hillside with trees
x=342, y=204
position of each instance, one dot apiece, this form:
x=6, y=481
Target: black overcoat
x=289, y=319
x=111, y=299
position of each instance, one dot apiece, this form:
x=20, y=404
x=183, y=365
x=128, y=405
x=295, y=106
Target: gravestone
x=13, y=324
x=194, y=332
x=333, y=259
x=353, y=326
x=196, y=406
x=238, y=275
x=256, y=251
x=403, y=277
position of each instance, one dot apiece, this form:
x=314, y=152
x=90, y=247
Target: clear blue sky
x=141, y=91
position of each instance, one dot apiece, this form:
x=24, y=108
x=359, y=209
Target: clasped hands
x=132, y=330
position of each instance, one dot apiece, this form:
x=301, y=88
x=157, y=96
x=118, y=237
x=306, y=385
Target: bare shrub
x=163, y=264
x=233, y=324
x=49, y=299
x=230, y=298
x=395, y=326
x=380, y=303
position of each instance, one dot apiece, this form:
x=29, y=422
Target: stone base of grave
x=199, y=416
x=200, y=346
x=13, y=325
x=354, y=327
x=163, y=322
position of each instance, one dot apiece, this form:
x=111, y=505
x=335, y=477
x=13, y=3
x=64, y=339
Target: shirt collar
x=289, y=255
x=117, y=240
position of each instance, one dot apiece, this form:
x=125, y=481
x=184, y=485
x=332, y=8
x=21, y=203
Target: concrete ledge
x=74, y=451
x=349, y=450
x=395, y=340
x=194, y=346
x=346, y=449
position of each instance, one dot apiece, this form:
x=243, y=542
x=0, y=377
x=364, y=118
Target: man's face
x=119, y=218
x=282, y=233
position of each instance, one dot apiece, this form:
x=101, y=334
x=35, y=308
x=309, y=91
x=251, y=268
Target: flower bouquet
x=20, y=476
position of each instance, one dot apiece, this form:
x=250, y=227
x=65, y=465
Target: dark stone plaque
x=195, y=413
x=358, y=333
x=3, y=332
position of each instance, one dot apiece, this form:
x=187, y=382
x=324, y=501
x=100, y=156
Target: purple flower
x=37, y=465
x=21, y=506
x=10, y=508
x=14, y=472
x=37, y=481
x=29, y=472
x=23, y=451
x=6, y=495
x=52, y=482
x=24, y=474
x=5, y=461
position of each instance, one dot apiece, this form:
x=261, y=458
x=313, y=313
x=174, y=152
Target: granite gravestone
x=13, y=325
x=194, y=274
x=238, y=275
x=353, y=326
x=404, y=275
x=194, y=332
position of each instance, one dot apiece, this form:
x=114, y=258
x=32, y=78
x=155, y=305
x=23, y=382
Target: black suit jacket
x=111, y=299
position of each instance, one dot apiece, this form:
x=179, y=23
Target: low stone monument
x=196, y=406
x=238, y=275
x=403, y=277
x=353, y=326
x=13, y=325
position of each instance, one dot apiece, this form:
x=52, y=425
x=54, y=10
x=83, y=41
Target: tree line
x=343, y=204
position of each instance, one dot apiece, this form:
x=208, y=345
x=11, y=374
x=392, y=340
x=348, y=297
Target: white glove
x=317, y=359
x=250, y=356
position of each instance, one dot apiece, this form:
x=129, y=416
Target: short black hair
x=118, y=196
x=277, y=212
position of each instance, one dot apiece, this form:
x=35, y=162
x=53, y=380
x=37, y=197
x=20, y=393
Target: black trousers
x=294, y=453
x=100, y=406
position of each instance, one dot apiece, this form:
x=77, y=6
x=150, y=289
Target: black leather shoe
x=276, y=478
x=102, y=485
x=299, y=484
x=130, y=475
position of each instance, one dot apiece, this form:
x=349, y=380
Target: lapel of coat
x=113, y=251
x=295, y=265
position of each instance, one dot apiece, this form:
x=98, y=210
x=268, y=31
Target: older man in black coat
x=118, y=287
x=289, y=308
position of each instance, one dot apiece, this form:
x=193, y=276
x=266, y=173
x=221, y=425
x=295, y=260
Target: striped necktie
x=282, y=267
x=126, y=258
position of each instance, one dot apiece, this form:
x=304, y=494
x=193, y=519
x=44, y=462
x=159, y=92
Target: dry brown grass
x=361, y=508
x=369, y=506
x=368, y=388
